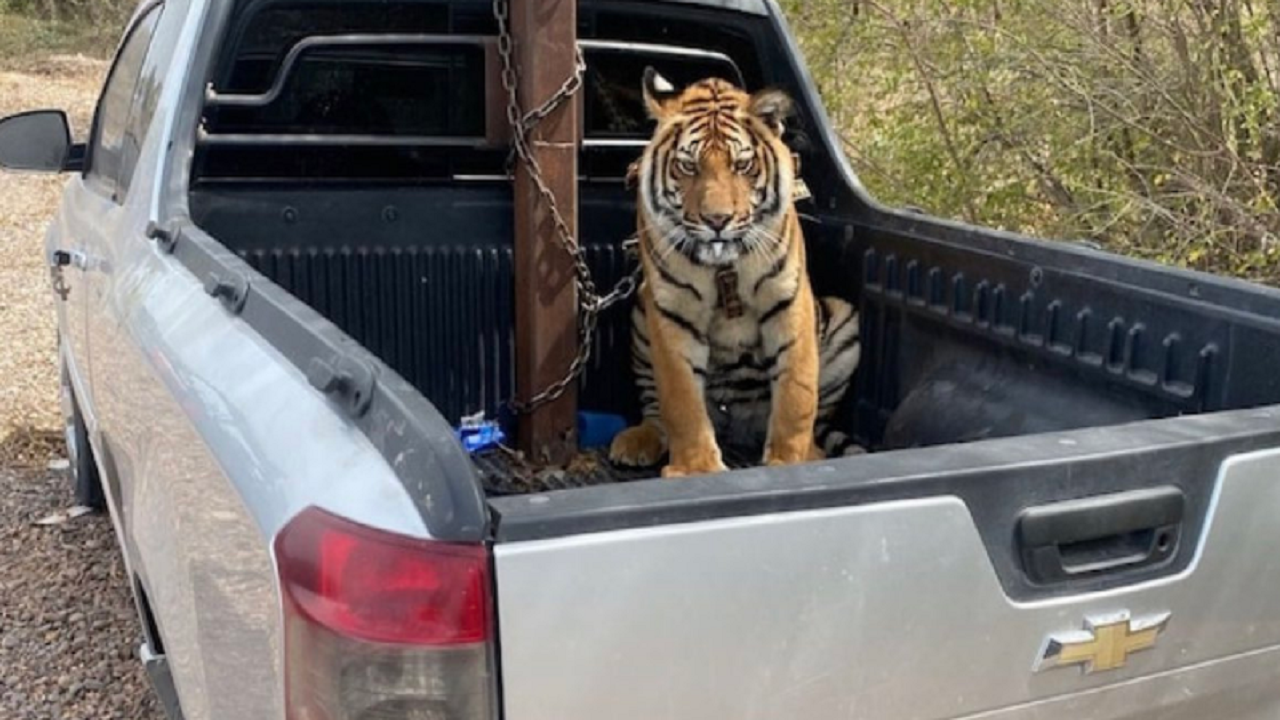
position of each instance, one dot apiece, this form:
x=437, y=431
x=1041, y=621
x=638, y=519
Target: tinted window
x=111, y=125
x=439, y=91
x=297, y=101
x=615, y=102
x=660, y=23
x=261, y=40
x=427, y=91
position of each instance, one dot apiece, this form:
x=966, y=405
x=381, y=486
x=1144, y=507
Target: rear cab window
x=412, y=91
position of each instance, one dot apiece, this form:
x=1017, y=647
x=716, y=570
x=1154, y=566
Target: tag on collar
x=727, y=290
x=801, y=191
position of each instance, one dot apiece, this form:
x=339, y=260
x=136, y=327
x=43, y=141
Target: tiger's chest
x=735, y=327
x=727, y=305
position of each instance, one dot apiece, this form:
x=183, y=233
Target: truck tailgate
x=892, y=609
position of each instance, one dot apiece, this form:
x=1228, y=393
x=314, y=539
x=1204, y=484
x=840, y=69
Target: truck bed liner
x=965, y=336
x=504, y=472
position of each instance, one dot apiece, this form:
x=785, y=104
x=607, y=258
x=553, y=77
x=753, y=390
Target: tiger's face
x=717, y=179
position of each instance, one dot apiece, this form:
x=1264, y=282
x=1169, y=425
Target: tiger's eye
x=687, y=166
x=743, y=165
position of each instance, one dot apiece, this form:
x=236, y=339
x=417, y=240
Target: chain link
x=590, y=302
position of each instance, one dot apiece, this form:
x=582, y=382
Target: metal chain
x=590, y=302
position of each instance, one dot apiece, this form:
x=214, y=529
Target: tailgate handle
x=1106, y=534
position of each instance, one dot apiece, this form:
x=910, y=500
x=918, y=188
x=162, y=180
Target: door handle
x=73, y=258
x=1099, y=535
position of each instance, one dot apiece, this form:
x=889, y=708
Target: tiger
x=728, y=339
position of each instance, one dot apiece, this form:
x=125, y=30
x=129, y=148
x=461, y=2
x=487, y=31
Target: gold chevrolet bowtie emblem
x=1105, y=643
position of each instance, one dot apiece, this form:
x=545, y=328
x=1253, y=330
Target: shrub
x=1148, y=126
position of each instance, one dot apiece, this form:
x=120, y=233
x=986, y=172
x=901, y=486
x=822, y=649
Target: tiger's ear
x=774, y=108
x=659, y=93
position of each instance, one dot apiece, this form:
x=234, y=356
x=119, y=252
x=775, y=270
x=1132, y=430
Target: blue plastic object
x=478, y=434
x=596, y=430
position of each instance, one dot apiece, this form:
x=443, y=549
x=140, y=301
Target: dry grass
x=25, y=41
x=28, y=352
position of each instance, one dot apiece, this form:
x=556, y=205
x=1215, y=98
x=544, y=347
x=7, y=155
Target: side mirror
x=39, y=141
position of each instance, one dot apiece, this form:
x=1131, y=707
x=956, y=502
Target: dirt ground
x=68, y=631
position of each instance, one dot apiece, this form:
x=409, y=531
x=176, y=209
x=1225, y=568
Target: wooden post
x=545, y=33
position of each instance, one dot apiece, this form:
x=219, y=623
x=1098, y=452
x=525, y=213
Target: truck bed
x=967, y=333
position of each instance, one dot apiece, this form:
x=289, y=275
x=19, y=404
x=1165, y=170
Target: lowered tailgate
x=912, y=596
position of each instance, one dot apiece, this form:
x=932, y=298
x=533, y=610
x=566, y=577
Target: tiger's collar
x=801, y=191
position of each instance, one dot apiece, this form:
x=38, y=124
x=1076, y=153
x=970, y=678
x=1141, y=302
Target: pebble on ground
x=69, y=635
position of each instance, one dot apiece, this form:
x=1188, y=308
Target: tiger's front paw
x=639, y=446
x=672, y=472
x=780, y=460
x=699, y=461
x=791, y=453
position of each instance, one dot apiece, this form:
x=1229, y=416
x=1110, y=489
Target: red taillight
x=370, y=585
x=379, y=625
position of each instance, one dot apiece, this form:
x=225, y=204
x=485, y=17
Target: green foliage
x=30, y=28
x=1148, y=126
x=71, y=12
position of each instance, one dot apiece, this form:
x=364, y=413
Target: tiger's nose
x=716, y=221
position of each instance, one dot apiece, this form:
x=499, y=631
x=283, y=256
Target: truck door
x=96, y=211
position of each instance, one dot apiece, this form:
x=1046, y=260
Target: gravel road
x=68, y=632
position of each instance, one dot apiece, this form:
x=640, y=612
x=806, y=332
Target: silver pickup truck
x=283, y=270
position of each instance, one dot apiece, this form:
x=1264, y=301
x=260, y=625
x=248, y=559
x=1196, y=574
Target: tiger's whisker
x=673, y=242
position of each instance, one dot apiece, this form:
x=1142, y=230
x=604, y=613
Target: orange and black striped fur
x=728, y=338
